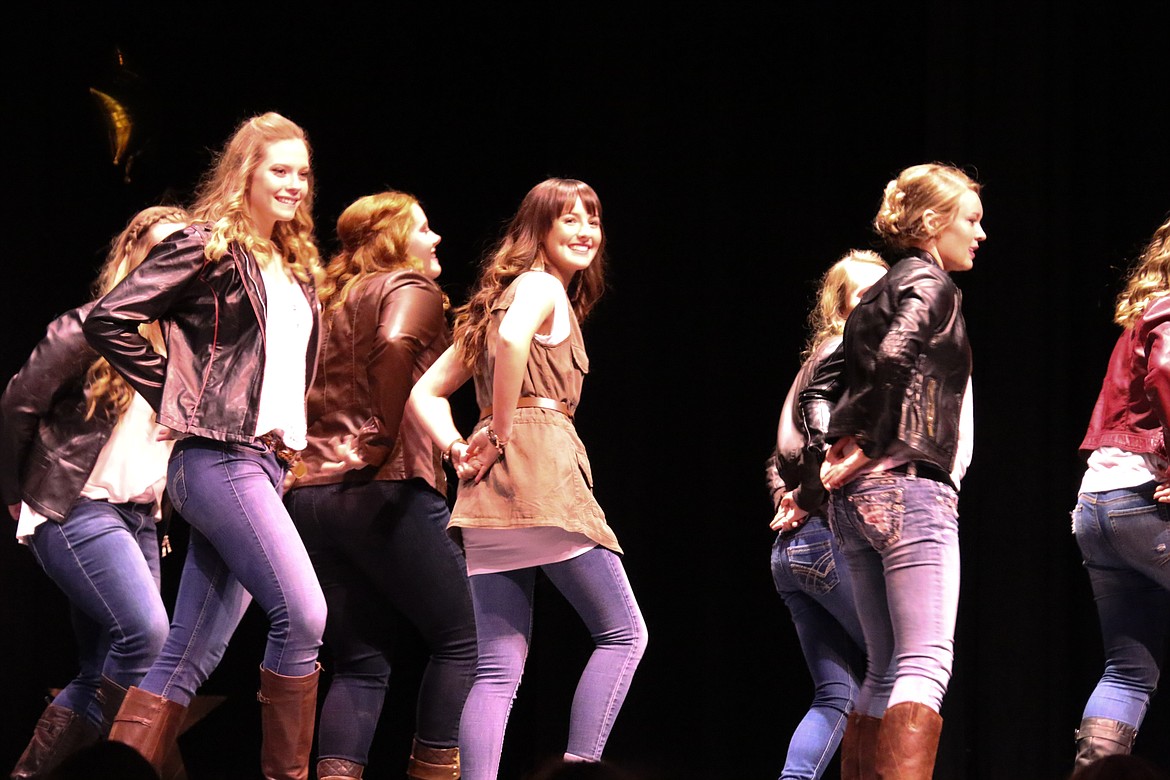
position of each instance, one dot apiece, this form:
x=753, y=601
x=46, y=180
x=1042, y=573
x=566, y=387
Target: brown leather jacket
x=375, y=346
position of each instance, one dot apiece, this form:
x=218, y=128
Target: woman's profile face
x=423, y=243
x=955, y=245
x=279, y=184
x=861, y=278
x=572, y=242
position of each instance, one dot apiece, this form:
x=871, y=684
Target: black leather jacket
x=213, y=319
x=899, y=376
x=47, y=447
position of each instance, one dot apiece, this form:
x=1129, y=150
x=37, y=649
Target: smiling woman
x=236, y=291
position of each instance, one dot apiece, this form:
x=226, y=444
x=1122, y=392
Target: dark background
x=738, y=150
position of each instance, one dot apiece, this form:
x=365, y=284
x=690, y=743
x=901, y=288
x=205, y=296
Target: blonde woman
x=808, y=570
x=372, y=505
x=1121, y=515
x=235, y=294
x=82, y=472
x=900, y=430
x=525, y=498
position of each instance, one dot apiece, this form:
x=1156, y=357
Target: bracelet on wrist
x=496, y=441
x=447, y=452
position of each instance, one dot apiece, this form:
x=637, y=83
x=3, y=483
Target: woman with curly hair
x=371, y=506
x=525, y=499
x=1121, y=515
x=808, y=569
x=901, y=434
x=235, y=295
x=82, y=472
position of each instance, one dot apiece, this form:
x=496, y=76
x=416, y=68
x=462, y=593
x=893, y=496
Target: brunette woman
x=1121, y=514
x=525, y=499
x=371, y=506
x=901, y=440
x=82, y=472
x=809, y=571
x=235, y=295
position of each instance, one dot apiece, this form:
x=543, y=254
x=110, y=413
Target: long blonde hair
x=827, y=318
x=105, y=387
x=522, y=249
x=918, y=189
x=222, y=199
x=1148, y=279
x=374, y=232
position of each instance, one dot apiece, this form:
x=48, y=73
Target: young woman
x=525, y=497
x=809, y=571
x=235, y=294
x=371, y=505
x=82, y=472
x=901, y=441
x=1121, y=514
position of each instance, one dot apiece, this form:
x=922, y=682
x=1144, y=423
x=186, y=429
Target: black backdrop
x=737, y=151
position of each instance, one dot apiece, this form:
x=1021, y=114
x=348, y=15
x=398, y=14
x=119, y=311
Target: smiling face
x=279, y=184
x=572, y=242
x=422, y=243
x=954, y=246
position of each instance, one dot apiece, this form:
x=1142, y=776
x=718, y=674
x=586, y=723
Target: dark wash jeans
x=812, y=577
x=105, y=558
x=382, y=554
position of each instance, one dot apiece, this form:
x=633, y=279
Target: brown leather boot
x=338, y=769
x=288, y=708
x=59, y=733
x=110, y=696
x=1100, y=737
x=149, y=724
x=859, y=747
x=428, y=763
x=908, y=742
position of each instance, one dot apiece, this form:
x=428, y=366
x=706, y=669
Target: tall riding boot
x=338, y=769
x=59, y=733
x=1100, y=737
x=908, y=742
x=148, y=723
x=110, y=696
x=429, y=763
x=288, y=708
x=859, y=747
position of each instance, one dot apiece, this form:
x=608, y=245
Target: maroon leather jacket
x=47, y=446
x=213, y=318
x=375, y=346
x=1133, y=408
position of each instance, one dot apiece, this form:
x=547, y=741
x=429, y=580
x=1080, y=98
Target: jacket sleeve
x=411, y=318
x=924, y=300
x=1155, y=334
x=819, y=396
x=144, y=296
x=60, y=359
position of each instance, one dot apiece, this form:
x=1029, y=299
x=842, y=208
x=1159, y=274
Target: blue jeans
x=1124, y=536
x=105, y=557
x=243, y=545
x=813, y=579
x=900, y=534
x=382, y=554
x=596, y=586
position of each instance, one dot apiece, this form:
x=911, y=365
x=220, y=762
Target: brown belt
x=535, y=401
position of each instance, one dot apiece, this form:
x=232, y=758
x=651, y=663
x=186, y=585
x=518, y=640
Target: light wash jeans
x=812, y=577
x=243, y=545
x=900, y=534
x=1124, y=536
x=595, y=584
x=105, y=558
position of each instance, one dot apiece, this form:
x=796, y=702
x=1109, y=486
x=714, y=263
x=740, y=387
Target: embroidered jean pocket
x=881, y=509
x=813, y=567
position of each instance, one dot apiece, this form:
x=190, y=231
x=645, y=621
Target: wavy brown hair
x=374, y=232
x=105, y=387
x=1148, y=279
x=827, y=319
x=919, y=188
x=522, y=249
x=222, y=199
